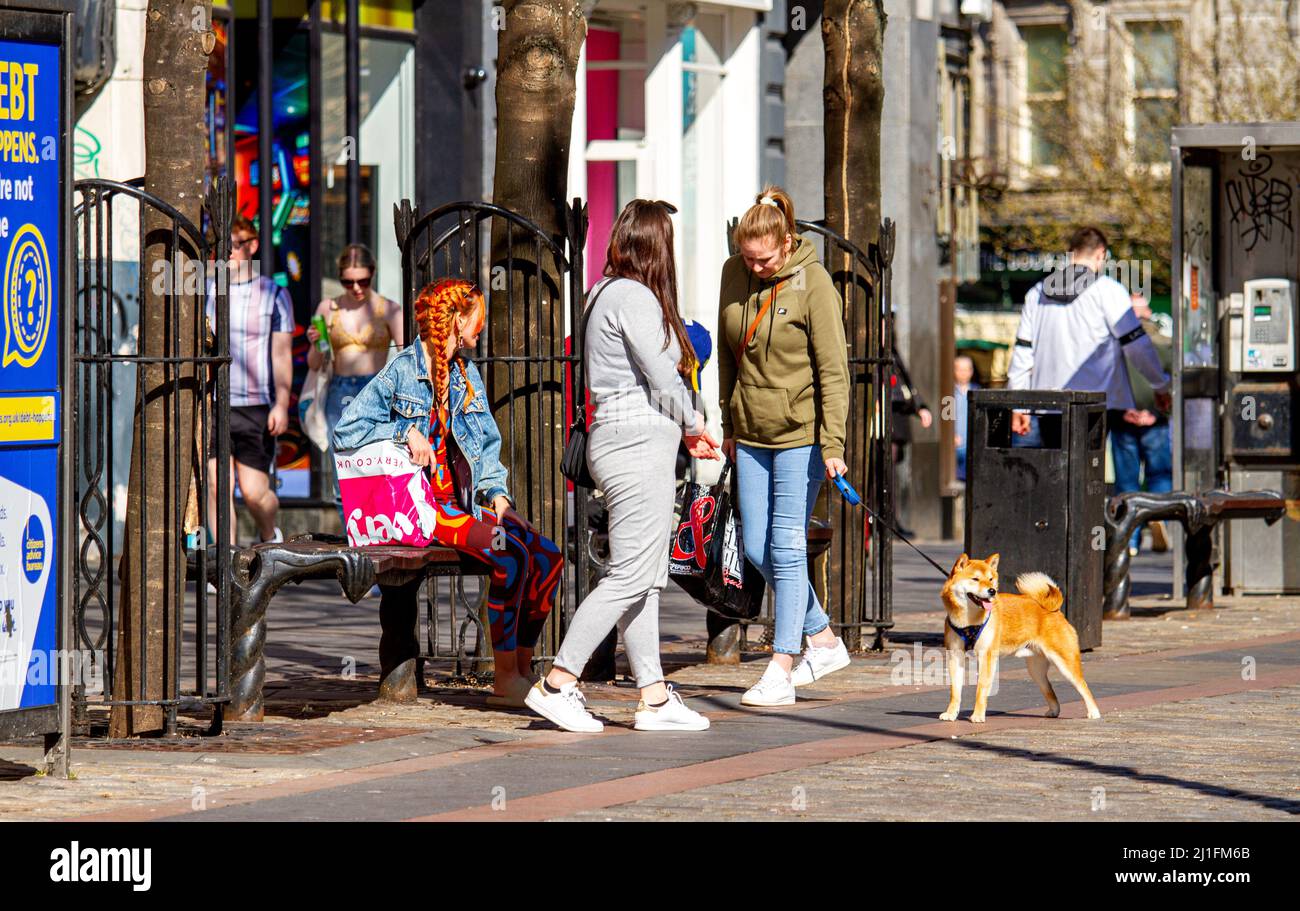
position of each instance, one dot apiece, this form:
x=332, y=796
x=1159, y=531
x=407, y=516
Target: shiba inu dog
x=1029, y=624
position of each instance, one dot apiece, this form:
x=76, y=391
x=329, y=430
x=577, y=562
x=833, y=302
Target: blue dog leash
x=853, y=499
x=969, y=634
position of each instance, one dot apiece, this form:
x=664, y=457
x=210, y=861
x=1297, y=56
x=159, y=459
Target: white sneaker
x=566, y=709
x=773, y=688
x=277, y=537
x=674, y=716
x=817, y=662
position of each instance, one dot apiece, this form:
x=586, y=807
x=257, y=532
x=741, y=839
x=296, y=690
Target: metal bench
x=258, y=572
x=1199, y=513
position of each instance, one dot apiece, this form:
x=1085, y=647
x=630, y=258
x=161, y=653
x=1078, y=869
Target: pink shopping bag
x=385, y=496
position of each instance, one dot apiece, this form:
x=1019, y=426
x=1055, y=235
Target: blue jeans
x=342, y=390
x=778, y=488
x=1131, y=448
x=1031, y=440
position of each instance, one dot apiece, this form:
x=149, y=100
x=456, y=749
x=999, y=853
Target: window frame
x=1131, y=93
x=1028, y=167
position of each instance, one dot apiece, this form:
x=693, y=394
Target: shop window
x=287, y=178
x=703, y=245
x=386, y=149
x=397, y=14
x=218, y=105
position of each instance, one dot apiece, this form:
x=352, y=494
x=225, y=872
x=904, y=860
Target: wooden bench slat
x=387, y=557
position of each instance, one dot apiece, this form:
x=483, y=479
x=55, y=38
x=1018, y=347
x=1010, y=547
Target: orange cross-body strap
x=753, y=327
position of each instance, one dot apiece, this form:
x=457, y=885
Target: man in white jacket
x=1076, y=330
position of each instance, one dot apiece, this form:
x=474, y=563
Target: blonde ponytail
x=771, y=217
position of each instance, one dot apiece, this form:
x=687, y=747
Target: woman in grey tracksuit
x=637, y=354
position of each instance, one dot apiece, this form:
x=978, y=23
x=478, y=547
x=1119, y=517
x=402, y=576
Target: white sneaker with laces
x=566, y=709
x=817, y=662
x=674, y=716
x=773, y=688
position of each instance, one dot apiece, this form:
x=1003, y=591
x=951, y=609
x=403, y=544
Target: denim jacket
x=401, y=397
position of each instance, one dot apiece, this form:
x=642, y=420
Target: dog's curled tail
x=1042, y=589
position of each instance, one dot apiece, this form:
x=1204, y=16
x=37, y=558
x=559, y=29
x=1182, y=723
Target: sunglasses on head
x=357, y=282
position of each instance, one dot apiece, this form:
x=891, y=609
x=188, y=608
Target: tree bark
x=178, y=40
x=537, y=60
x=853, y=93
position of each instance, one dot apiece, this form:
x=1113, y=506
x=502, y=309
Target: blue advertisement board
x=30, y=370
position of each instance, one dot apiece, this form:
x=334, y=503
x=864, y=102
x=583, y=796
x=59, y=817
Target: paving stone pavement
x=1228, y=758
x=1189, y=689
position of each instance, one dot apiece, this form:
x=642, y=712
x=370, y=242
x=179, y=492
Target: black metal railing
x=531, y=373
x=128, y=243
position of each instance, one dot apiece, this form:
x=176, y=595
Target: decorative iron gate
x=125, y=239
x=863, y=280
x=530, y=372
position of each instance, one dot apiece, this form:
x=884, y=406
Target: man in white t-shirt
x=1076, y=331
x=261, y=371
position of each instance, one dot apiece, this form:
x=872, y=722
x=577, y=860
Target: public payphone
x=1261, y=327
x=1236, y=191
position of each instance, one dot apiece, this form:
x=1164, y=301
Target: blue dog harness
x=969, y=634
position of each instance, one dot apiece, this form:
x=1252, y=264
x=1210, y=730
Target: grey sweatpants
x=633, y=464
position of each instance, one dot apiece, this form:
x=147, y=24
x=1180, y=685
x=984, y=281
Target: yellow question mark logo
x=27, y=317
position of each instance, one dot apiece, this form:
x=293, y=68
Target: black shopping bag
x=707, y=555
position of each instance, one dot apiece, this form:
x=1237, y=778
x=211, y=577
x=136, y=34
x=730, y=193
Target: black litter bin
x=1041, y=507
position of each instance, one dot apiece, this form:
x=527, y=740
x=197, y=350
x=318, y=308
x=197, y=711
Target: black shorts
x=251, y=444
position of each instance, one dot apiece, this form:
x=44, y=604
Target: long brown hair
x=641, y=248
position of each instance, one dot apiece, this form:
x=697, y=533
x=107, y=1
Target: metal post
x=885, y=540
x=265, y=126
x=353, y=78
x=59, y=746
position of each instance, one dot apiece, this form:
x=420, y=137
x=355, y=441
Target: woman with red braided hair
x=433, y=399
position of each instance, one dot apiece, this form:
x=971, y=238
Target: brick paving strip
x=564, y=802
x=557, y=800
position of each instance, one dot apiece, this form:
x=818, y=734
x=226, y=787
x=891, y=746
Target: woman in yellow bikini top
x=374, y=336
x=362, y=326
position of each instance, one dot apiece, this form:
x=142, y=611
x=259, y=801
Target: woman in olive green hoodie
x=783, y=379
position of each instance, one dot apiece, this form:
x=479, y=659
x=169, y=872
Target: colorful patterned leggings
x=526, y=570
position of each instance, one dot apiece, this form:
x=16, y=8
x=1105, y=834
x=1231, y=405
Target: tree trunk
x=537, y=59
x=178, y=40
x=852, y=95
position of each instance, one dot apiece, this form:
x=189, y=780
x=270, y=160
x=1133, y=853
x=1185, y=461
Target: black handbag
x=573, y=465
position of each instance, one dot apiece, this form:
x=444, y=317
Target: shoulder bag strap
x=581, y=341
x=753, y=327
